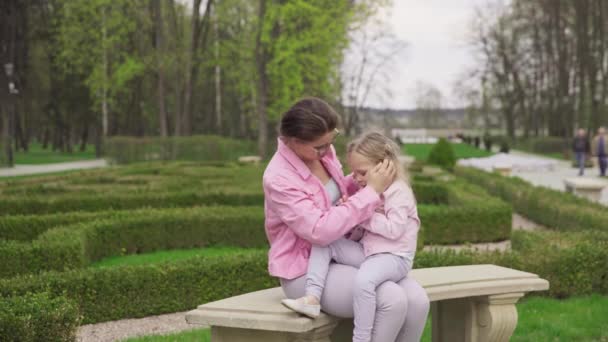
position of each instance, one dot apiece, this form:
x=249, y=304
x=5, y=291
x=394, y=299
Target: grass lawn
x=540, y=319
x=37, y=155
x=164, y=256
x=421, y=151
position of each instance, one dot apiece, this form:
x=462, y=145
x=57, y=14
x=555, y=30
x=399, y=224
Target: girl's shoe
x=298, y=305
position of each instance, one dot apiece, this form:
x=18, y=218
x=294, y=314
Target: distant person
x=477, y=142
x=581, y=148
x=599, y=148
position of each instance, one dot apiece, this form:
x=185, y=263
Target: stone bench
x=468, y=303
x=250, y=160
x=503, y=170
x=586, y=187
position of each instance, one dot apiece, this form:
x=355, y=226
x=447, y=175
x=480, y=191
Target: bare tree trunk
x=192, y=64
x=160, y=50
x=262, y=92
x=104, y=91
x=218, y=71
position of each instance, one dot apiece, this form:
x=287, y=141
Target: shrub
x=137, y=291
x=100, y=202
x=38, y=317
x=551, y=208
x=142, y=231
x=430, y=193
x=123, y=150
x=442, y=155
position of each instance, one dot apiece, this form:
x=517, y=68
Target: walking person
x=581, y=148
x=599, y=148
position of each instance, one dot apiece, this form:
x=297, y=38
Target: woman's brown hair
x=308, y=120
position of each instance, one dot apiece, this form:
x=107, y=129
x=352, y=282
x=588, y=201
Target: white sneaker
x=310, y=310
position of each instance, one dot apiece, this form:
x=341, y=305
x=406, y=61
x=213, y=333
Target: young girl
x=385, y=252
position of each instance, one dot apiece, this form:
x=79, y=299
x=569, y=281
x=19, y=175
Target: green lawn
x=164, y=256
x=37, y=155
x=540, y=319
x=421, y=151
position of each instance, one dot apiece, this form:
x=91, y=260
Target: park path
x=23, y=170
x=555, y=179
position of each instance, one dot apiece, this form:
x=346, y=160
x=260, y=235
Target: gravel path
x=127, y=328
x=22, y=170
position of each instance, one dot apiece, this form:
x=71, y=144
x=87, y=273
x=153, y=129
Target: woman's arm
x=299, y=212
x=395, y=220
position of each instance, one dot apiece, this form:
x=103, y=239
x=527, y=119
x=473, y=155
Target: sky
x=437, y=53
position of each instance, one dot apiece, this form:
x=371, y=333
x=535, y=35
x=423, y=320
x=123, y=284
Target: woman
x=297, y=186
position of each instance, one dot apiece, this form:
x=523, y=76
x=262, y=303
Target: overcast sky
x=435, y=31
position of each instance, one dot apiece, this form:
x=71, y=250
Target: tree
x=366, y=68
x=428, y=103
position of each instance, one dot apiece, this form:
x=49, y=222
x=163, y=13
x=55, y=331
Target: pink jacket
x=298, y=211
x=395, y=230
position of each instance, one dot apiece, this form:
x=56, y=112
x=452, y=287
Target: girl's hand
x=382, y=175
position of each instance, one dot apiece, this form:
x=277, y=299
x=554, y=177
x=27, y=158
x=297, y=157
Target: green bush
x=551, y=208
x=430, y=193
x=442, y=154
x=100, y=202
x=142, y=231
x=578, y=269
x=124, y=150
x=38, y=317
x=28, y=227
x=113, y=293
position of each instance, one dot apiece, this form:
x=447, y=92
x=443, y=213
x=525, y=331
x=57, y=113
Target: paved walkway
x=555, y=179
x=22, y=170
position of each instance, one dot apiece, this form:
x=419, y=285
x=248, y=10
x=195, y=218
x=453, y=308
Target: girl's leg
x=376, y=270
x=343, y=251
x=391, y=303
x=417, y=311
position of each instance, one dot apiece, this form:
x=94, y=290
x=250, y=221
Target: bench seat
x=468, y=303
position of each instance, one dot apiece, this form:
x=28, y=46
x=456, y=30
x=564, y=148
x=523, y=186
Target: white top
x=333, y=191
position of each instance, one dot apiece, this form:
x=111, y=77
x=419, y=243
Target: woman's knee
x=391, y=297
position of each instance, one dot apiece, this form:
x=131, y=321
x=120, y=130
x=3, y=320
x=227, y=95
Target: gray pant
x=401, y=307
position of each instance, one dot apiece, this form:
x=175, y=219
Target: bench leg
x=475, y=319
x=225, y=334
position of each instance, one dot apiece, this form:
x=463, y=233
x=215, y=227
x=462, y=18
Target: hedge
x=113, y=293
x=430, y=192
x=551, y=208
x=471, y=217
x=123, y=150
x=78, y=245
x=38, y=317
x=98, y=202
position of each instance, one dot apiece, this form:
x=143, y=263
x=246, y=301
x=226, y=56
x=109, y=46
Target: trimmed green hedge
x=430, y=192
x=38, y=317
x=551, y=208
x=41, y=205
x=471, y=217
x=112, y=293
x=78, y=245
x=578, y=267
x=123, y=150
x=137, y=291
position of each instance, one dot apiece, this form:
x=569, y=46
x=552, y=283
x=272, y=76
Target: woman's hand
x=382, y=175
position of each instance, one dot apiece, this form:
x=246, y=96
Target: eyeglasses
x=323, y=148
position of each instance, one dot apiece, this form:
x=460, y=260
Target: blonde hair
x=376, y=147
